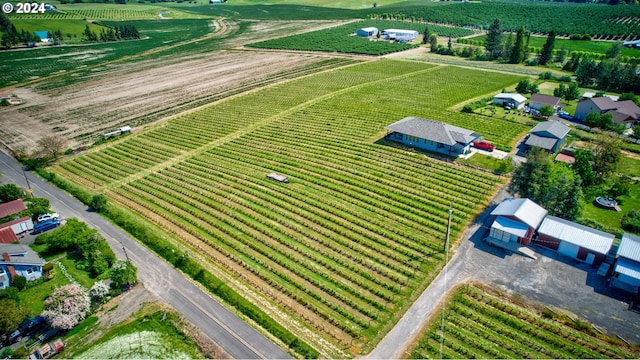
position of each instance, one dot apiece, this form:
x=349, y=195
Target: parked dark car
x=45, y=225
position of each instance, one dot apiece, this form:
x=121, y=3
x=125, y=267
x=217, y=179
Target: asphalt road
x=236, y=337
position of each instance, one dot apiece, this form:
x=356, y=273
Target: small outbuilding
x=399, y=35
x=43, y=35
x=19, y=225
x=573, y=240
x=515, y=221
x=515, y=101
x=549, y=135
x=278, y=177
x=626, y=270
x=367, y=32
x=432, y=135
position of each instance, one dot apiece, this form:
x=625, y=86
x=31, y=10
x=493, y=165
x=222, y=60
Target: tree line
x=124, y=32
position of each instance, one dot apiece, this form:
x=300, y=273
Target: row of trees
x=559, y=188
x=516, y=51
x=124, y=32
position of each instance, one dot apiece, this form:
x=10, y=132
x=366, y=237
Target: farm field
x=480, y=323
x=593, y=46
x=87, y=103
x=340, y=250
x=97, y=11
x=339, y=39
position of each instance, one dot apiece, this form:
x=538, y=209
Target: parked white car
x=45, y=217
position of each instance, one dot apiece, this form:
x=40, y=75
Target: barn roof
x=630, y=247
x=7, y=236
x=627, y=267
x=524, y=210
x=551, y=128
x=12, y=207
x=369, y=29
x=515, y=97
x=433, y=130
x=583, y=236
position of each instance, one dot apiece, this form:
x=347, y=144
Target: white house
x=516, y=101
x=18, y=260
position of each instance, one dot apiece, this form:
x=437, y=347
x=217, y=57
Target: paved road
x=235, y=336
x=551, y=279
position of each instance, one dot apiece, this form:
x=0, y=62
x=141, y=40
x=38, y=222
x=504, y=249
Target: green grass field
x=480, y=323
x=593, y=46
x=72, y=29
x=357, y=231
x=17, y=66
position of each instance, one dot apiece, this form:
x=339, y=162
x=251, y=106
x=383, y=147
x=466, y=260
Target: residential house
x=18, y=224
x=537, y=101
x=626, y=270
x=623, y=112
x=432, y=135
x=18, y=260
x=574, y=240
x=549, y=135
x=516, y=220
x=515, y=101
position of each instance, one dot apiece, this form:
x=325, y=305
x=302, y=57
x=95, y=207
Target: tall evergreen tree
x=525, y=54
x=508, y=45
x=493, y=44
x=433, y=42
x=547, y=49
x=517, y=52
x=425, y=35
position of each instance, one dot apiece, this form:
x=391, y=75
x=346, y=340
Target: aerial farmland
x=221, y=96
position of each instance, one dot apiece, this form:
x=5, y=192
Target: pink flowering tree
x=66, y=307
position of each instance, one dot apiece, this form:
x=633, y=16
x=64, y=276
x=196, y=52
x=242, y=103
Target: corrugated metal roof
x=12, y=207
x=510, y=226
x=524, y=210
x=7, y=236
x=583, y=236
x=627, y=267
x=369, y=29
x=516, y=97
x=629, y=247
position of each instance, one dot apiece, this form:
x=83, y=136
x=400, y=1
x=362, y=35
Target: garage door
x=568, y=249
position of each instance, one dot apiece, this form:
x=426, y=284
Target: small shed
x=367, y=32
x=574, y=240
x=43, y=35
x=19, y=225
x=515, y=101
x=626, y=270
x=278, y=177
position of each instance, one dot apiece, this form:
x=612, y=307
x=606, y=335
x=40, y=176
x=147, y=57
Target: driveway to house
x=236, y=337
x=551, y=280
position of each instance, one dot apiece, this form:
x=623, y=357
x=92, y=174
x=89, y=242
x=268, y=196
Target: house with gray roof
x=623, y=112
x=515, y=221
x=431, y=135
x=573, y=240
x=626, y=270
x=18, y=260
x=549, y=135
x=537, y=101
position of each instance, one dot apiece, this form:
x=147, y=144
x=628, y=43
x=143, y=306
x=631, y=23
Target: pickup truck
x=48, y=350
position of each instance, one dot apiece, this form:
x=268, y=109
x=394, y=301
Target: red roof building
x=12, y=207
x=7, y=236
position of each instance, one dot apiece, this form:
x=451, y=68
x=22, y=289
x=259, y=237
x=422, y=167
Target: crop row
x=481, y=325
x=93, y=14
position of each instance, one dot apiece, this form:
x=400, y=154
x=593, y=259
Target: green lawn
x=72, y=29
x=488, y=162
x=593, y=46
x=34, y=297
x=629, y=166
x=80, y=275
x=611, y=218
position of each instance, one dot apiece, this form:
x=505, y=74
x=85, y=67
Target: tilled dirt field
x=136, y=93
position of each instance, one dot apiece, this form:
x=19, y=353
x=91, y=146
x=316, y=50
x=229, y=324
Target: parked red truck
x=48, y=350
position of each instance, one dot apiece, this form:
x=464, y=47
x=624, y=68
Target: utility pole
x=28, y=185
x=125, y=251
x=444, y=286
